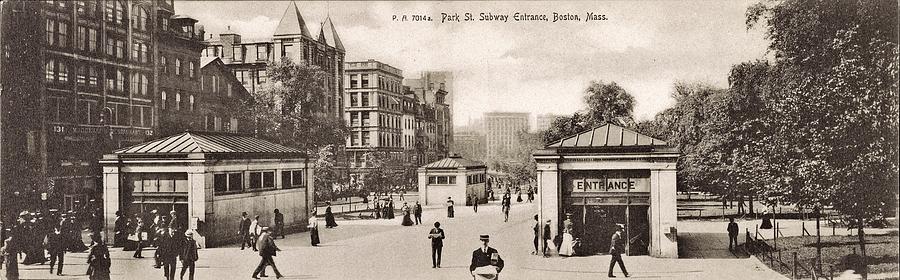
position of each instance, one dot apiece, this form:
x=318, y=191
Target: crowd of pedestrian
x=38, y=237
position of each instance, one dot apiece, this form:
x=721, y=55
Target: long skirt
x=567, y=246
x=329, y=220
x=406, y=220
x=314, y=236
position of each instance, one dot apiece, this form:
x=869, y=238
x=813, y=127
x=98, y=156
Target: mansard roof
x=292, y=23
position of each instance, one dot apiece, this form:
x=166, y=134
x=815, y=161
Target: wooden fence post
x=794, y=267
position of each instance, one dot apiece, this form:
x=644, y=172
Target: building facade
x=291, y=39
x=502, y=131
x=544, y=121
x=103, y=75
x=374, y=112
x=384, y=115
x=468, y=144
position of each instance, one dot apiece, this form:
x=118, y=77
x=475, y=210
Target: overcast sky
x=536, y=67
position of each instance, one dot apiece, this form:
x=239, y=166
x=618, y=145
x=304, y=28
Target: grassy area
x=837, y=252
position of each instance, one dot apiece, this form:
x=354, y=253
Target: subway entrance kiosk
x=606, y=176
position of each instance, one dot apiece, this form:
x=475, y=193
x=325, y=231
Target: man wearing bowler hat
x=616, y=249
x=484, y=260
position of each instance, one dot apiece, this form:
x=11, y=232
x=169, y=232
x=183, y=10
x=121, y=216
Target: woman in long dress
x=329, y=217
x=313, y=229
x=567, y=247
x=449, y=207
x=407, y=221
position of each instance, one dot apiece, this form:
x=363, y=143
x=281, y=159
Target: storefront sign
x=611, y=185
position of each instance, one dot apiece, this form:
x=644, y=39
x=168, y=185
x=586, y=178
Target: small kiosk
x=208, y=179
x=606, y=176
x=454, y=177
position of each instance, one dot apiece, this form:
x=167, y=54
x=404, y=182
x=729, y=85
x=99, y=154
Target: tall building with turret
x=248, y=57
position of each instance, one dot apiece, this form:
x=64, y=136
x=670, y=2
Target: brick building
x=82, y=78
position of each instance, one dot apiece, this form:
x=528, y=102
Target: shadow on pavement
x=694, y=245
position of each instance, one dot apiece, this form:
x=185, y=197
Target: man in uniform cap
x=485, y=258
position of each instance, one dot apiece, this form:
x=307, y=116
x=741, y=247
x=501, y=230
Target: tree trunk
x=818, y=241
x=750, y=206
x=862, y=250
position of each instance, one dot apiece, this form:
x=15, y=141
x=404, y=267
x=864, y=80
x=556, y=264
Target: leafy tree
x=325, y=173
x=384, y=172
x=834, y=113
x=682, y=127
x=290, y=110
x=606, y=103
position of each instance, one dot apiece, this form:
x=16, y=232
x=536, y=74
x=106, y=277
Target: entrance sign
x=607, y=185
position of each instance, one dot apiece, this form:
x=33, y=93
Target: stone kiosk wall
x=606, y=176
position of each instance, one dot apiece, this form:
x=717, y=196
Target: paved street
x=382, y=249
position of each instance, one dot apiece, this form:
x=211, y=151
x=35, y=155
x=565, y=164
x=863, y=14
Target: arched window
x=178, y=101
x=162, y=63
x=191, y=69
x=191, y=101
x=51, y=72
x=177, y=66
x=162, y=98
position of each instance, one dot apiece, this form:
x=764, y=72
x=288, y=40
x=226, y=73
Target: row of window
x=58, y=74
x=441, y=180
x=87, y=38
x=251, y=76
x=235, y=182
x=475, y=179
x=214, y=84
x=179, y=66
x=85, y=111
x=176, y=104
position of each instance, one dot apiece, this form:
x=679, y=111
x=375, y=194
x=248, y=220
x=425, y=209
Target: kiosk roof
x=608, y=135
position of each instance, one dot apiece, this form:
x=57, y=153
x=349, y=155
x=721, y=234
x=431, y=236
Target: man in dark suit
x=546, y=239
x=56, y=246
x=732, y=234
x=417, y=212
x=485, y=256
x=279, y=223
x=616, y=249
x=437, y=244
x=244, y=231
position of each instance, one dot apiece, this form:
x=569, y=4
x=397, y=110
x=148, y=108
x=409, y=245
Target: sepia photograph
x=483, y=140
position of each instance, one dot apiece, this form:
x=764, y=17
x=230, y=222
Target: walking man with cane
x=267, y=250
